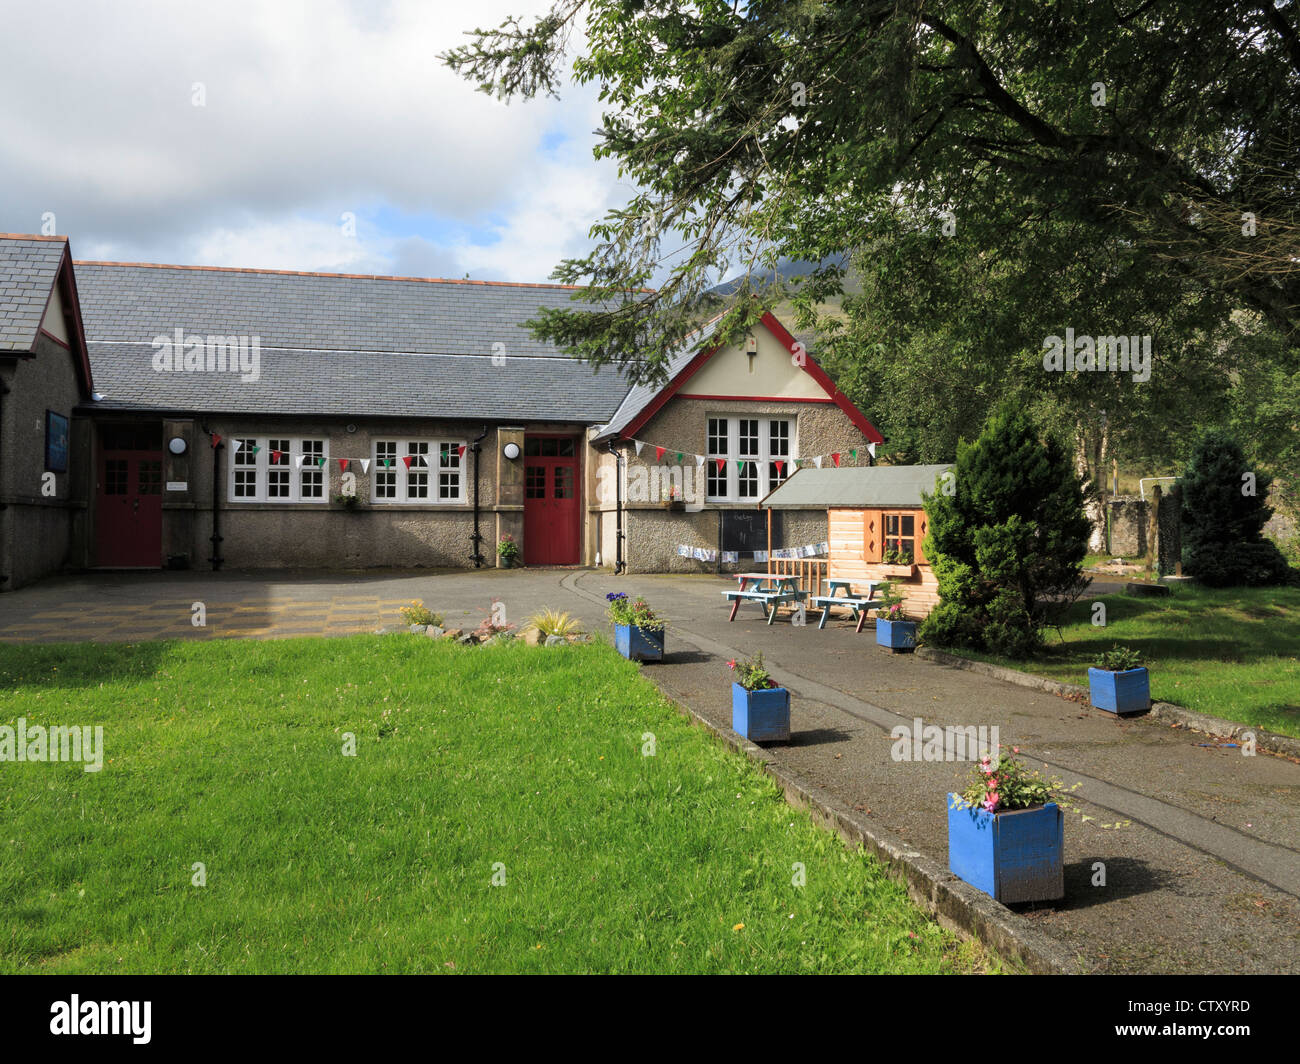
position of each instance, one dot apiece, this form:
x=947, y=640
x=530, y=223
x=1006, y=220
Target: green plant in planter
x=348, y=502
x=1118, y=659
x=889, y=603
x=635, y=613
x=1008, y=784
x=751, y=673
x=508, y=549
x=898, y=556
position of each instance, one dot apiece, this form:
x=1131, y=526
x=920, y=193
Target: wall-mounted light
x=177, y=445
x=511, y=451
x=751, y=349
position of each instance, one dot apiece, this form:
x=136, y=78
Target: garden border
x=1266, y=740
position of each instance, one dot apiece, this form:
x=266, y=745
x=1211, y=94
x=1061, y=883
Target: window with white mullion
x=269, y=469
x=758, y=443
x=417, y=471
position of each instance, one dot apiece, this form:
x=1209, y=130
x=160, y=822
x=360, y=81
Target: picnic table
x=857, y=604
x=769, y=590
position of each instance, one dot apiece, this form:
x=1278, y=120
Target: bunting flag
x=818, y=461
x=407, y=460
x=731, y=556
x=871, y=447
x=275, y=457
x=740, y=467
x=216, y=439
x=298, y=461
x=679, y=457
x=760, y=555
x=460, y=451
x=780, y=467
x=638, y=445
x=854, y=454
x=343, y=465
x=699, y=461
x=320, y=461
x=722, y=464
x=255, y=449
x=683, y=551
x=836, y=459
x=234, y=445
x=365, y=465
x=659, y=454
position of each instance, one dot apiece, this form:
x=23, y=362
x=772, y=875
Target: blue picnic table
x=856, y=603
x=769, y=590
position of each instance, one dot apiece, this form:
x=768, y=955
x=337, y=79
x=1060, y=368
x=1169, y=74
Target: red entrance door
x=128, y=510
x=551, y=516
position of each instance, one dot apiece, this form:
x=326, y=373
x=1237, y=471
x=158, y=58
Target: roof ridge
x=316, y=273
x=31, y=236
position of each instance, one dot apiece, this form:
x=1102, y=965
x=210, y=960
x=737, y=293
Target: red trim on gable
x=788, y=342
x=818, y=374
x=754, y=398
x=50, y=336
x=72, y=313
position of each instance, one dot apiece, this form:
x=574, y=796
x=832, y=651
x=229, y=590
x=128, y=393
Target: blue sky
x=248, y=134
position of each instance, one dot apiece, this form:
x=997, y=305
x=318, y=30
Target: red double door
x=552, y=518
x=128, y=509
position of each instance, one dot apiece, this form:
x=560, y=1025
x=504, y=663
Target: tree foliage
x=1224, y=511
x=1008, y=544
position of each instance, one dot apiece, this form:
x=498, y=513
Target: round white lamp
x=511, y=451
x=177, y=445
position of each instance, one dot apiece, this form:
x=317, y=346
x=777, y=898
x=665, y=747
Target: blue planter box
x=1120, y=692
x=1012, y=857
x=639, y=644
x=761, y=716
x=897, y=635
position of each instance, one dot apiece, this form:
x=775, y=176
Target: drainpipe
x=477, y=538
x=618, y=509
x=216, y=559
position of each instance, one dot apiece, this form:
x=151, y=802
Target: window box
x=761, y=716
x=1012, y=856
x=895, y=569
x=1120, y=692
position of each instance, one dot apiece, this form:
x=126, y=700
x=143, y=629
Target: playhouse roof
x=858, y=488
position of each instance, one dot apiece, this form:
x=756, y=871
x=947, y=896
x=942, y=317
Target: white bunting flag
x=235, y=445
x=300, y=459
x=638, y=445
x=872, y=448
x=818, y=460
x=365, y=465
x=699, y=461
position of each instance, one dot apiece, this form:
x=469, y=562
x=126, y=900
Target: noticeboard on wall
x=56, y=442
x=746, y=530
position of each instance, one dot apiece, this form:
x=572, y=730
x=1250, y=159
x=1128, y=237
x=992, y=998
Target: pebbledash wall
x=326, y=535
x=654, y=533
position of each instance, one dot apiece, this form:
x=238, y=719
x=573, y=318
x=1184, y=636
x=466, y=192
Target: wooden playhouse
x=876, y=527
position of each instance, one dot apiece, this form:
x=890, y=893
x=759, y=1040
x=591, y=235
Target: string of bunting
x=706, y=554
x=299, y=460
x=836, y=458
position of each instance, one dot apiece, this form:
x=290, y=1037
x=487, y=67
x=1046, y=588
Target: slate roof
x=855, y=488
x=28, y=268
x=338, y=344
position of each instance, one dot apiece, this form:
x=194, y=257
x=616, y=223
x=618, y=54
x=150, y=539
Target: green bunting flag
x=741, y=466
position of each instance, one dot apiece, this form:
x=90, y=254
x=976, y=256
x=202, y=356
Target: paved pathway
x=1205, y=878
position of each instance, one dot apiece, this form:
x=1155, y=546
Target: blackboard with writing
x=746, y=530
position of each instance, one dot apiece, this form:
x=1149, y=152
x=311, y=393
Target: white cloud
x=312, y=109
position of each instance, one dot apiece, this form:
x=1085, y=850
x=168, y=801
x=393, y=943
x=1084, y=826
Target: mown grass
x=524, y=761
x=1232, y=653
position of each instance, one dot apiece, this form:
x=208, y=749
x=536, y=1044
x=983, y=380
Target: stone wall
x=1128, y=527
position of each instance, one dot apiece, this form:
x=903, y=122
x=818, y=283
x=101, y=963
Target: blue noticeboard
x=56, y=442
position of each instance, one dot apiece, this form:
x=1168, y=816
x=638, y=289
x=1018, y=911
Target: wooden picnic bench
x=857, y=604
x=771, y=591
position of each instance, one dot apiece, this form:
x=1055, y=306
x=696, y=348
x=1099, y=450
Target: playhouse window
x=900, y=538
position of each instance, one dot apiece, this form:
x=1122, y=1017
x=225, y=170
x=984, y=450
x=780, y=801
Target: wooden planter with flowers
x=894, y=631
x=1006, y=833
x=760, y=709
x=638, y=633
x=1118, y=684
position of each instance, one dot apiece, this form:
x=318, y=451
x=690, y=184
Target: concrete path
x=1205, y=878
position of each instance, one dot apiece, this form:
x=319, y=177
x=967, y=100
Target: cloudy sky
x=312, y=110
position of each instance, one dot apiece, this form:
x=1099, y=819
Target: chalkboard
x=746, y=530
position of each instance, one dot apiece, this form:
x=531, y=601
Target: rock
x=467, y=639
x=555, y=640
x=390, y=629
x=417, y=629
x=1136, y=588
x=433, y=631
x=532, y=637
x=453, y=633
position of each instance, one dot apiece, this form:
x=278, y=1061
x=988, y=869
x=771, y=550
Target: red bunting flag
x=836, y=459
x=343, y=465
x=780, y=467
x=216, y=439
x=275, y=457
x=659, y=454
x=722, y=464
x=407, y=460
x=460, y=451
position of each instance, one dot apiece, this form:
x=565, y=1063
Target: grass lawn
x=1232, y=653
x=523, y=760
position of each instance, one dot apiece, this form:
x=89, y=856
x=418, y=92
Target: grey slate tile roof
x=338, y=344
x=28, y=268
x=855, y=488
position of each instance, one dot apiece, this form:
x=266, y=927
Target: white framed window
x=268, y=469
x=418, y=471
x=757, y=442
